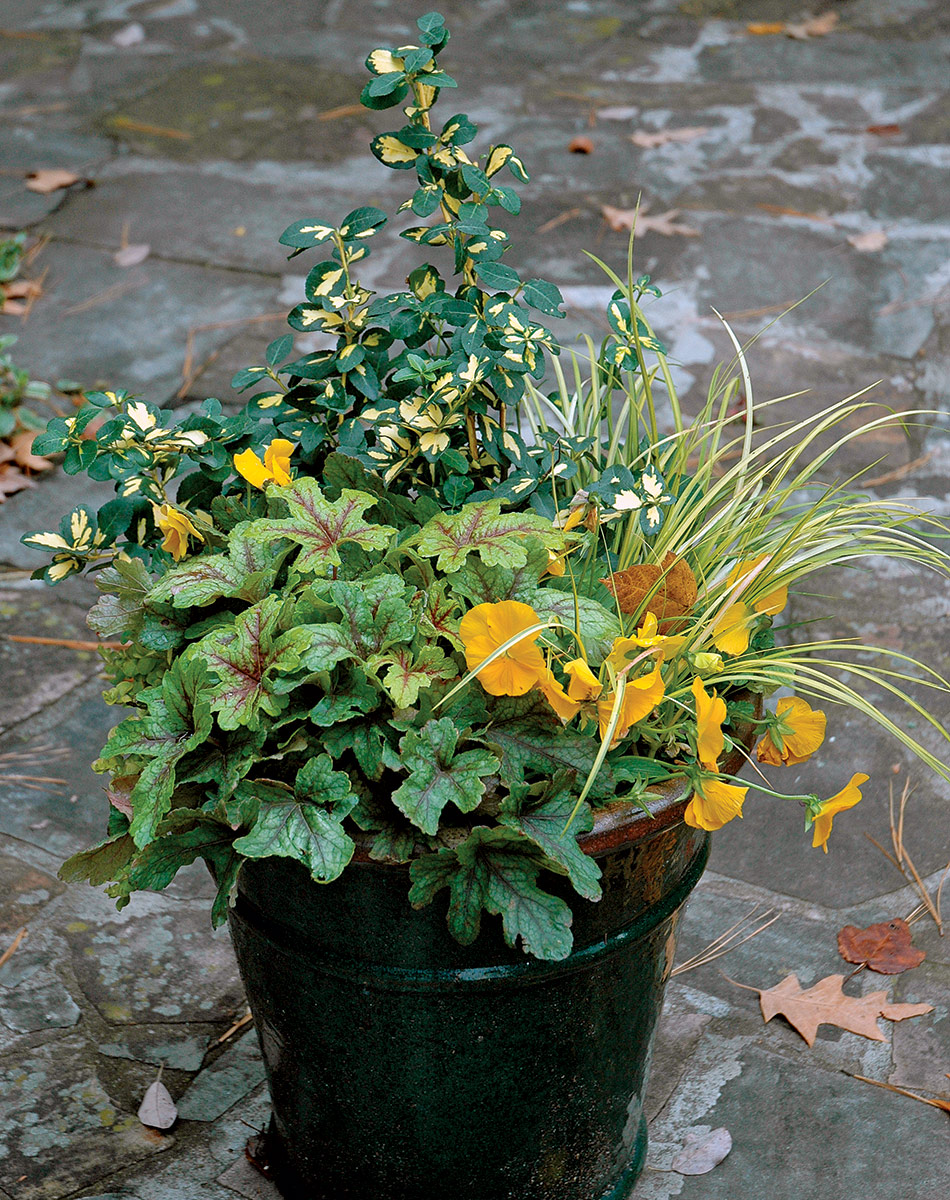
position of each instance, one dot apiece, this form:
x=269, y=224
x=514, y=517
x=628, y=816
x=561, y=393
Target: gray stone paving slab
x=162, y=1045
x=128, y=327
x=55, y=1099
x=784, y=173
x=157, y=959
x=238, y=1071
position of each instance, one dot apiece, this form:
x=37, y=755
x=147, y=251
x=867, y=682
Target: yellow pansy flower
x=274, y=469
x=560, y=701
x=486, y=627
x=640, y=697
x=624, y=649
x=710, y=714
x=800, y=731
x=714, y=803
x=584, y=684
x=847, y=798
x=730, y=630
x=774, y=602
x=177, y=528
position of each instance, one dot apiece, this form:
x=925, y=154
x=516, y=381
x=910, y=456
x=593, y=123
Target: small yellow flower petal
x=584, y=684
x=560, y=701
x=250, y=467
x=640, y=697
x=177, y=528
x=277, y=460
x=710, y=714
x=731, y=629
x=847, y=798
x=714, y=803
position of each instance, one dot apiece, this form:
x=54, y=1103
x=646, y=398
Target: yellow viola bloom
x=560, y=701
x=847, y=798
x=640, y=697
x=774, y=602
x=584, y=684
x=801, y=730
x=486, y=627
x=710, y=714
x=714, y=803
x=177, y=529
x=730, y=631
x=646, y=638
x=274, y=469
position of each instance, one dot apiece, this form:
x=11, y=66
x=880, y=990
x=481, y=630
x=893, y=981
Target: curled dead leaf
x=13, y=480
x=886, y=947
x=581, y=145
x=813, y=27
x=50, y=179
x=22, y=446
x=131, y=255
x=157, y=1109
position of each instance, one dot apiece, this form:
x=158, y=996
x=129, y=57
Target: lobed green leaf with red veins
x=321, y=526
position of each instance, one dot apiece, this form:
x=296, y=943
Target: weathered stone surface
x=24, y=893
x=158, y=959
x=239, y=1070
x=769, y=1105
x=60, y=818
x=181, y=1049
x=37, y=675
x=127, y=327
x=55, y=1099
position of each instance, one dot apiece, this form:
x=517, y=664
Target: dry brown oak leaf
x=826, y=1004
x=885, y=948
x=668, y=591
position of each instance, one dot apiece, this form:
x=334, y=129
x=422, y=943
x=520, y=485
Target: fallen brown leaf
x=624, y=219
x=50, y=179
x=814, y=27
x=801, y=30
x=886, y=947
x=826, y=1004
x=887, y=130
x=12, y=480
x=22, y=289
x=662, y=136
x=581, y=145
x=868, y=242
x=22, y=447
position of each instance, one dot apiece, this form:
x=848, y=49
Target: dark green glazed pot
x=404, y=1066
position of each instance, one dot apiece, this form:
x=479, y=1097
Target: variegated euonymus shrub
x=405, y=596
